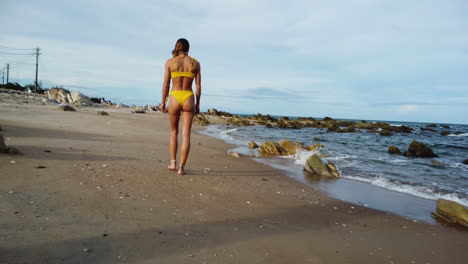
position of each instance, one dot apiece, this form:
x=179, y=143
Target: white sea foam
x=459, y=135
x=418, y=191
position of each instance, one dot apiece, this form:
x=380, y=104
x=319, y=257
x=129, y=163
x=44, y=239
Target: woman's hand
x=162, y=107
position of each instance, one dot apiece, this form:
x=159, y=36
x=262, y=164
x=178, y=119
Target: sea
x=370, y=176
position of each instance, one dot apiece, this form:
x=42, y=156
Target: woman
x=182, y=69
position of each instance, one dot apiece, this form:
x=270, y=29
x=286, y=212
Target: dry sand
x=105, y=196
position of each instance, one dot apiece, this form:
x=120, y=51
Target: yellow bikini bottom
x=181, y=96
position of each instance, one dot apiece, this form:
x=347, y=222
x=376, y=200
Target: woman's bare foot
x=181, y=170
x=172, y=166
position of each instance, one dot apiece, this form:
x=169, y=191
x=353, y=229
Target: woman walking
x=182, y=70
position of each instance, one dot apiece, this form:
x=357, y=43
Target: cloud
x=406, y=109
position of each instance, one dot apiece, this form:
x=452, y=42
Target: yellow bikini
x=182, y=95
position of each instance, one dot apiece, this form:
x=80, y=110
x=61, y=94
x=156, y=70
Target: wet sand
x=105, y=196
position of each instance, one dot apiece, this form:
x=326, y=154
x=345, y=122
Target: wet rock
x=445, y=133
x=451, y=212
x=418, y=149
x=67, y=108
x=316, y=165
x=394, y=150
x=102, y=113
x=316, y=139
x=385, y=132
x=465, y=162
x=428, y=129
x=445, y=126
x=314, y=147
x=272, y=148
x=436, y=163
x=431, y=125
x=290, y=147
x=3, y=147
x=237, y=121
x=252, y=145
x=201, y=120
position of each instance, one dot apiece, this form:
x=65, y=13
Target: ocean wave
x=459, y=135
x=418, y=191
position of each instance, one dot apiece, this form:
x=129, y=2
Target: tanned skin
x=190, y=108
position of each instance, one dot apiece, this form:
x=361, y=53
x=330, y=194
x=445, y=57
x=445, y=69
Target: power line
x=7, y=53
x=5, y=47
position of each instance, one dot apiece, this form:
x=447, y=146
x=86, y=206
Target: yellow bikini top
x=183, y=74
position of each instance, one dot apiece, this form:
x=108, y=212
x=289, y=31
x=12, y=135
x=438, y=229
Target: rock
x=417, y=149
x=289, y=147
x=0, y=128
x=431, y=125
x=436, y=163
x=315, y=146
x=234, y=154
x=428, y=129
x=213, y=111
x=394, y=150
x=385, y=132
x=138, y=111
x=67, y=108
x=315, y=164
x=445, y=133
x=445, y=126
x=79, y=98
x=252, y=145
x=465, y=162
x=316, y=139
x=122, y=105
x=201, y=120
x=14, y=151
x=102, y=113
x=59, y=94
x=272, y=148
x=451, y=212
x=237, y=121
x=3, y=148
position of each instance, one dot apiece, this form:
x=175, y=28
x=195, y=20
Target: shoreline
x=106, y=196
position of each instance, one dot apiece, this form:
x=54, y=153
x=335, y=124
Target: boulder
x=14, y=151
x=315, y=164
x=431, y=125
x=138, y=111
x=213, y=111
x=418, y=149
x=316, y=139
x=289, y=147
x=79, y=98
x=385, y=132
x=436, y=163
x=272, y=148
x=67, y=108
x=3, y=148
x=252, y=145
x=102, y=113
x=451, y=212
x=428, y=129
x=465, y=162
x=315, y=146
x=201, y=120
x=445, y=126
x=59, y=94
x=394, y=150
x=49, y=101
x=445, y=133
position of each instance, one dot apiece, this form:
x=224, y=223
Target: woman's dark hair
x=181, y=45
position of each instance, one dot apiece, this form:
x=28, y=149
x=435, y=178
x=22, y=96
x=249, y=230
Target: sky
x=360, y=59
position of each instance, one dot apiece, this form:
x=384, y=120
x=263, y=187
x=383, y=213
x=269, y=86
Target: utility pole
x=3, y=77
x=37, y=66
x=7, y=72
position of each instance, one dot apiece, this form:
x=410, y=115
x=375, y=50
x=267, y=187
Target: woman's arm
x=166, y=86
x=198, y=91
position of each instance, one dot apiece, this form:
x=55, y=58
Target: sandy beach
x=96, y=189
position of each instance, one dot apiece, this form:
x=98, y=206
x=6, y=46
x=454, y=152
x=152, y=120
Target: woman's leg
x=174, y=116
x=187, y=118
